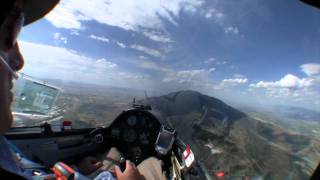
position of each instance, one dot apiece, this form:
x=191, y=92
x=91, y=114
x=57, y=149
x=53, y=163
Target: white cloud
x=157, y=36
x=294, y=95
x=288, y=81
x=47, y=61
x=239, y=76
x=172, y=79
x=190, y=73
x=221, y=19
x=221, y=62
x=231, y=30
x=65, y=16
x=149, y=51
x=184, y=76
x=213, y=13
x=168, y=79
x=210, y=60
x=213, y=60
x=236, y=80
x=74, y=32
x=289, y=89
x=59, y=38
x=120, y=44
x=311, y=69
x=106, y=40
x=232, y=82
x=208, y=15
x=126, y=14
x=196, y=79
x=142, y=57
x=99, y=38
x=192, y=7
x=219, y=15
x=211, y=70
x=147, y=64
x=103, y=64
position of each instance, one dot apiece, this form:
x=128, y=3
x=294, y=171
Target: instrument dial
x=143, y=137
x=132, y=120
x=115, y=132
x=143, y=120
x=129, y=135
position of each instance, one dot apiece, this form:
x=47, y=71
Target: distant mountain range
x=298, y=113
x=226, y=139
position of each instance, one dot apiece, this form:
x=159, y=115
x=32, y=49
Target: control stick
x=122, y=164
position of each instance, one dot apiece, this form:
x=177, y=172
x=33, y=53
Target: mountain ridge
x=183, y=102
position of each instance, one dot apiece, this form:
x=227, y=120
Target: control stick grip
x=122, y=164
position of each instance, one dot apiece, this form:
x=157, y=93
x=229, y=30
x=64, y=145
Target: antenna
x=139, y=106
x=145, y=94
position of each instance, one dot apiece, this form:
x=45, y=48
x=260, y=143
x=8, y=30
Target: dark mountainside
x=182, y=102
x=225, y=139
x=213, y=112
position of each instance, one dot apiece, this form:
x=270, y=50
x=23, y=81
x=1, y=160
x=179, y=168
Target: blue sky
x=257, y=52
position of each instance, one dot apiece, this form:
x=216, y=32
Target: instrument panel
x=135, y=133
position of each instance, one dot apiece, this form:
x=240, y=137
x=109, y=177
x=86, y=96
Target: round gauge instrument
x=132, y=120
x=115, y=132
x=129, y=135
x=145, y=120
x=143, y=137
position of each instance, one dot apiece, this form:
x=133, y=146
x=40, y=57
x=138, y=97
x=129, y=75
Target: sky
x=252, y=52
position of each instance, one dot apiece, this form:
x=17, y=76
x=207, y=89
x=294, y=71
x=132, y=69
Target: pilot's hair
x=5, y=8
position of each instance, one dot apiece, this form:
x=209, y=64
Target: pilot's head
x=14, y=14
